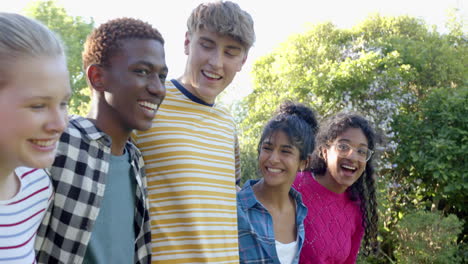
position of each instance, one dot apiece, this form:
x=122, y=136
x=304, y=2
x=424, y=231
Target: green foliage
x=426, y=237
x=432, y=149
x=404, y=76
x=73, y=31
x=380, y=67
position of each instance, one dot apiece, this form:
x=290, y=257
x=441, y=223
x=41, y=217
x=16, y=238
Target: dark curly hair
x=105, y=40
x=298, y=122
x=363, y=189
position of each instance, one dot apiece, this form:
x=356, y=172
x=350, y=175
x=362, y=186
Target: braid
x=364, y=191
x=371, y=244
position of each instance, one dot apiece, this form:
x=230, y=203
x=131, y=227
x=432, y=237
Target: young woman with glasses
x=339, y=192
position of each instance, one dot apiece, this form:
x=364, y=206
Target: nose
x=157, y=88
x=274, y=156
x=216, y=59
x=58, y=120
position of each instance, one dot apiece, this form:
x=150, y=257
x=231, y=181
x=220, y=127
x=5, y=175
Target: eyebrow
x=44, y=97
x=233, y=47
x=151, y=65
x=213, y=42
x=282, y=146
x=349, y=141
x=207, y=39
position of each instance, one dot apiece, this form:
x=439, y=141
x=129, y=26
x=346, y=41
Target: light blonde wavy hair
x=225, y=18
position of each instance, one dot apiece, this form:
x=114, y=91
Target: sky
x=274, y=21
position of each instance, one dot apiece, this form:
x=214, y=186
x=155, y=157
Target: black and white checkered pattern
x=78, y=176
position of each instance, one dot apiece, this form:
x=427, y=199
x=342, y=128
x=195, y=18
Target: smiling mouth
x=148, y=106
x=43, y=143
x=348, y=168
x=212, y=75
x=274, y=170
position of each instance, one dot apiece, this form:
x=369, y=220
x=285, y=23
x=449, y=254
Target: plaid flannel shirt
x=78, y=176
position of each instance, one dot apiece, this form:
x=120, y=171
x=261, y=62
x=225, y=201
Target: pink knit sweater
x=333, y=229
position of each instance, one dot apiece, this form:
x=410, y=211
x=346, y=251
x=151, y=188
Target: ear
x=244, y=59
x=303, y=165
x=187, y=43
x=95, y=75
x=323, y=153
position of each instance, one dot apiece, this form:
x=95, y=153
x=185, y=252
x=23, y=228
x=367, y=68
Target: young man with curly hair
x=191, y=150
x=100, y=211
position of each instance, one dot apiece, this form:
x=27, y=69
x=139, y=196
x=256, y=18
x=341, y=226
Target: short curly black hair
x=105, y=40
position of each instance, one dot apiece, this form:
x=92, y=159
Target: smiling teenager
x=270, y=212
x=191, y=150
x=34, y=93
x=100, y=213
x=339, y=192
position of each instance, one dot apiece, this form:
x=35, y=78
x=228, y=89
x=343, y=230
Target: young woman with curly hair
x=339, y=192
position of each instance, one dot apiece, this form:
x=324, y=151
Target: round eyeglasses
x=344, y=149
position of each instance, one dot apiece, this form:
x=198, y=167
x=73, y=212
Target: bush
x=427, y=237
x=431, y=165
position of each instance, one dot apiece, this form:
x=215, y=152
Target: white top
x=21, y=215
x=286, y=252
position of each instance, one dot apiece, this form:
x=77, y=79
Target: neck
x=185, y=83
x=188, y=86
x=276, y=197
x=107, y=121
x=327, y=181
x=9, y=184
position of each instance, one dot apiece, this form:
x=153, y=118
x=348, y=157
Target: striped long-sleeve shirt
x=192, y=160
x=21, y=215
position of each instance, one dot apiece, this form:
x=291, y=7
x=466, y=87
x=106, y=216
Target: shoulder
x=79, y=134
x=135, y=154
x=29, y=174
x=35, y=183
x=246, y=197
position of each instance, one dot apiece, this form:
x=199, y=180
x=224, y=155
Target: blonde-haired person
x=191, y=150
x=34, y=91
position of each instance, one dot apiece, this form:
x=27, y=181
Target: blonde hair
x=225, y=18
x=22, y=37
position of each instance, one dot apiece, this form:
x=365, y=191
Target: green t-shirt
x=113, y=236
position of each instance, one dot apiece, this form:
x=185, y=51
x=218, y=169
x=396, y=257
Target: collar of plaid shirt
x=78, y=176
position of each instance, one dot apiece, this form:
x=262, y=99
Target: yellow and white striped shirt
x=192, y=159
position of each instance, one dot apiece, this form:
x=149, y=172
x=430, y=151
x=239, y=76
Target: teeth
x=273, y=170
x=348, y=167
x=212, y=75
x=43, y=143
x=149, y=105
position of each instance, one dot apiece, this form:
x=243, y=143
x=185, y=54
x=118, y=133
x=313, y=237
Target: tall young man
x=100, y=212
x=191, y=151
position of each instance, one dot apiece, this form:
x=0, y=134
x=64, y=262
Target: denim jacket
x=255, y=225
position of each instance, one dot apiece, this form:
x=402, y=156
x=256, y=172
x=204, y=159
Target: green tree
x=397, y=71
x=73, y=31
x=432, y=149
